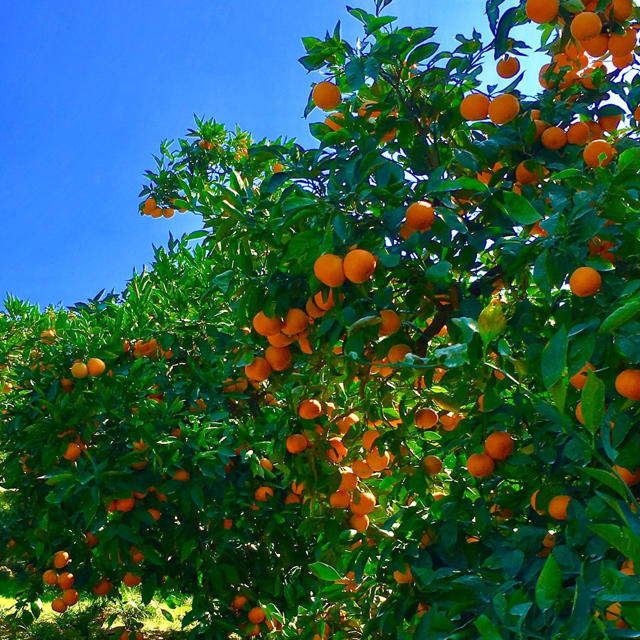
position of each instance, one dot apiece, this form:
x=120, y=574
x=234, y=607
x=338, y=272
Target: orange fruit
x=558, y=507
x=278, y=358
x=266, y=326
x=597, y=46
x=126, y=635
x=310, y=409
x=102, y=587
x=369, y=438
x=586, y=25
x=622, y=45
x=432, y=465
x=480, y=465
x=348, y=481
x=630, y=478
x=329, y=270
x=504, y=109
x=258, y=370
x=125, y=504
x=359, y=523
x=296, y=443
x=628, y=568
x=420, y=215
x=58, y=605
x=359, y=265
x=623, y=61
x=131, y=579
x=333, y=121
x=311, y=310
x=337, y=450
x=363, y=503
x=578, y=133
x=149, y=205
x=262, y=494
x=553, y=138
x=182, y=476
x=326, y=96
x=60, y=559
x=499, y=445
x=579, y=379
x=340, y=499
x=593, y=152
x=622, y=9
x=403, y=577
x=508, y=66
x=377, y=461
x=95, y=366
x=66, y=580
x=50, y=577
x=390, y=323
x=295, y=322
x=542, y=11
x=628, y=384
x=525, y=175
x=426, y=418
x=239, y=601
x=256, y=615
x=398, y=352
x=70, y=597
x=585, y=281
x=362, y=469
x=475, y=107
x=79, y=370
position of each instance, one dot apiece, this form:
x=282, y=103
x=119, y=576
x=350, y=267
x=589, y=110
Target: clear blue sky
x=89, y=89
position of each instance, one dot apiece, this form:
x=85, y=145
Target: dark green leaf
x=554, y=357
x=549, y=584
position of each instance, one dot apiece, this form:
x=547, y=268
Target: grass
x=91, y=620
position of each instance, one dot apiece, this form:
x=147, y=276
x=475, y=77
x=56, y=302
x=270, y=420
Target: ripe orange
x=60, y=559
x=131, y=579
x=278, y=358
x=578, y=133
x=79, y=370
x=70, y=597
x=585, y=281
x=311, y=310
x=359, y=523
x=258, y=370
x=181, y=475
x=426, y=418
x=390, y=323
x=239, y=601
x=58, y=605
x=154, y=513
x=630, y=478
x=348, y=481
x=420, y=215
x=333, y=121
x=362, y=469
x=363, y=503
x=586, y=25
x=628, y=568
x=398, y=352
x=558, y=507
x=50, y=577
x=102, y=587
x=329, y=270
x=95, y=366
x=526, y=175
x=359, y=265
x=475, y=107
x=340, y=499
x=504, y=109
x=579, y=379
x=593, y=152
x=66, y=580
x=126, y=635
x=480, y=465
x=266, y=326
x=553, y=138
x=326, y=96
x=622, y=45
x=296, y=443
x=622, y=9
x=337, y=450
x=542, y=11
x=256, y=615
x=623, y=61
x=377, y=461
x=432, y=465
x=403, y=577
x=508, y=66
x=262, y=494
x=310, y=409
x=628, y=384
x=369, y=438
x=499, y=445
x=295, y=322
x=125, y=504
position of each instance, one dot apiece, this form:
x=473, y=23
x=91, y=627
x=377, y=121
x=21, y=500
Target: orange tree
x=388, y=390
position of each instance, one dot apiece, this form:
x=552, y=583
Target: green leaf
x=518, y=208
x=554, y=357
x=620, y=316
x=549, y=584
x=507, y=21
x=592, y=399
x=580, y=618
x=622, y=538
x=422, y=52
x=488, y=630
x=606, y=478
x=629, y=158
x=324, y=572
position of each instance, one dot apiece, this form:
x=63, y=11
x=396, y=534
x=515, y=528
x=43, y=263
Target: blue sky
x=89, y=89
